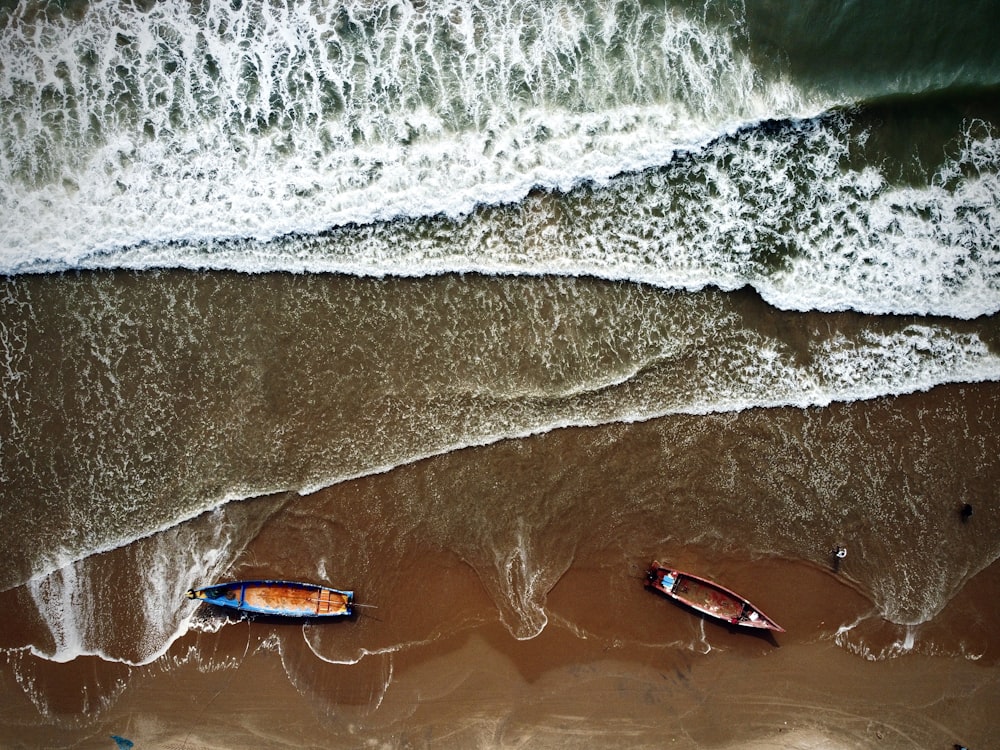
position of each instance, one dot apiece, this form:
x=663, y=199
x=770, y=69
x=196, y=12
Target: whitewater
x=283, y=137
x=269, y=120
x=565, y=141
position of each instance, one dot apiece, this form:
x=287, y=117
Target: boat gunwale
x=658, y=566
x=240, y=587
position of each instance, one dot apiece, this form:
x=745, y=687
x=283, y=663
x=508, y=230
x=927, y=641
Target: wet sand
x=435, y=662
x=606, y=671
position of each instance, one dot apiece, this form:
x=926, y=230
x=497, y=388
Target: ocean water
x=261, y=257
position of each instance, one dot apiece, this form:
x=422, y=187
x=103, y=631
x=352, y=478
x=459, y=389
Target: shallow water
x=476, y=308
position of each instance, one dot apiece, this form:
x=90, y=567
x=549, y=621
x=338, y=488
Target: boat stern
x=653, y=573
x=660, y=578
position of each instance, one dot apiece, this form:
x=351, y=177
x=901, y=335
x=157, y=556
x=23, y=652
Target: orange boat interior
x=296, y=599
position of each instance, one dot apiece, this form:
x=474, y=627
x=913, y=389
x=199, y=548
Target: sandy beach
x=476, y=309
x=432, y=661
x=613, y=678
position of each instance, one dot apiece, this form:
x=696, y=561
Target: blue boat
x=277, y=598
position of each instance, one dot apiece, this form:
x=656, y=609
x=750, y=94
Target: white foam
x=68, y=611
x=856, y=242
x=701, y=646
x=243, y=126
x=360, y=654
x=929, y=250
x=914, y=359
x=257, y=122
x=69, y=598
x=899, y=647
x=842, y=369
x=519, y=585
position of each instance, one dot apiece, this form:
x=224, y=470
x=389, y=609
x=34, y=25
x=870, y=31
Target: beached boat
x=708, y=598
x=277, y=598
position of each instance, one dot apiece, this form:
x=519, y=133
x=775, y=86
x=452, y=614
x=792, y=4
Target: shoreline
x=258, y=685
x=460, y=553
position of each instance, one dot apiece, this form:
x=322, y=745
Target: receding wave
x=198, y=401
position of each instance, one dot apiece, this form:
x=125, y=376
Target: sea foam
x=238, y=138
x=182, y=126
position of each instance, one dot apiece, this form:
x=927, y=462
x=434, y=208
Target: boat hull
x=708, y=597
x=277, y=599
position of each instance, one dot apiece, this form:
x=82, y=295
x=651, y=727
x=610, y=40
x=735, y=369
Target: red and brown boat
x=708, y=597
